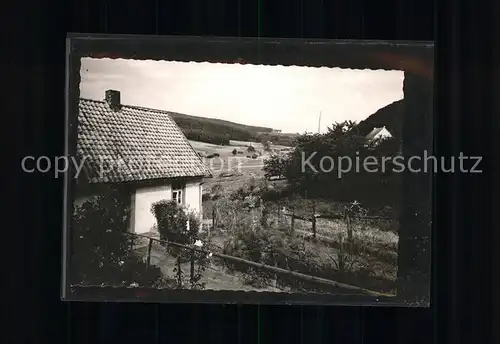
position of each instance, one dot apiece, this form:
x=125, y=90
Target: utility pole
x=319, y=123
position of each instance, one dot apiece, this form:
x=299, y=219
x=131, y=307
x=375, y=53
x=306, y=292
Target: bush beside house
x=102, y=252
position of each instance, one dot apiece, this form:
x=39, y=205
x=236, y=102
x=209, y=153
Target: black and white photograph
x=241, y=177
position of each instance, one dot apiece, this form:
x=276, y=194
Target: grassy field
x=229, y=170
x=226, y=161
x=374, y=261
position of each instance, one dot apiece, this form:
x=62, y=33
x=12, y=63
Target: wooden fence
x=349, y=245
x=261, y=266
x=346, y=217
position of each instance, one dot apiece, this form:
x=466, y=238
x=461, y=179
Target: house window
x=178, y=192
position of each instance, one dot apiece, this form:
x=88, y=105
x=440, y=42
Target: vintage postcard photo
x=246, y=177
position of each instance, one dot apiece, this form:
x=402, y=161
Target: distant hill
x=390, y=116
x=284, y=139
x=216, y=130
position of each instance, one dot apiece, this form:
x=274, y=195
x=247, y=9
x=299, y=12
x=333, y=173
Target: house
x=276, y=131
x=379, y=134
x=141, y=152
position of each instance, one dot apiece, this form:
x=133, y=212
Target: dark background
x=33, y=96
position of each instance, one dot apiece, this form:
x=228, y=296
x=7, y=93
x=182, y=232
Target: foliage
x=203, y=136
x=355, y=209
x=324, y=165
x=233, y=213
x=180, y=225
x=252, y=236
x=216, y=191
x=276, y=166
x=266, y=145
x=102, y=252
x=268, y=246
x=277, y=139
x=341, y=140
x=390, y=116
x=175, y=223
x=184, y=280
x=235, y=151
x=214, y=130
x=253, y=186
x=251, y=149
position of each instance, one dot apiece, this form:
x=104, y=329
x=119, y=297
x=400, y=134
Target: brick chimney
x=113, y=99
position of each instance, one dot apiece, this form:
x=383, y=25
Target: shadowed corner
x=415, y=65
x=106, y=55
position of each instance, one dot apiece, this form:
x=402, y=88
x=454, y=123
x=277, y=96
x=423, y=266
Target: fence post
x=279, y=212
x=150, y=246
x=314, y=226
x=314, y=218
x=341, y=255
x=292, y=224
x=213, y=216
x=192, y=267
x=349, y=227
x=264, y=214
x=179, y=271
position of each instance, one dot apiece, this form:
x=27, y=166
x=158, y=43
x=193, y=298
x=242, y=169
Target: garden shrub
x=172, y=220
x=234, y=213
x=274, y=247
x=102, y=253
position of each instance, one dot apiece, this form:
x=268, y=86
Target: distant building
x=379, y=133
x=277, y=131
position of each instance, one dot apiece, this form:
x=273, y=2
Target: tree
x=235, y=151
x=102, y=252
x=314, y=166
x=276, y=166
x=173, y=222
x=324, y=165
x=216, y=191
x=266, y=145
x=178, y=224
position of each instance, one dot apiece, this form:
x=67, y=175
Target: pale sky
x=279, y=97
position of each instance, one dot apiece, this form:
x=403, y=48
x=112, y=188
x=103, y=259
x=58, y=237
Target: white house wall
x=192, y=197
x=143, y=220
x=384, y=133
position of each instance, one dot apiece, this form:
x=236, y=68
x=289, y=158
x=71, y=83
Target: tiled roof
x=133, y=144
x=374, y=133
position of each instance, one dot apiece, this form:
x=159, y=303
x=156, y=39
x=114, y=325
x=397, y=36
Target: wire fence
x=193, y=254
x=351, y=226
